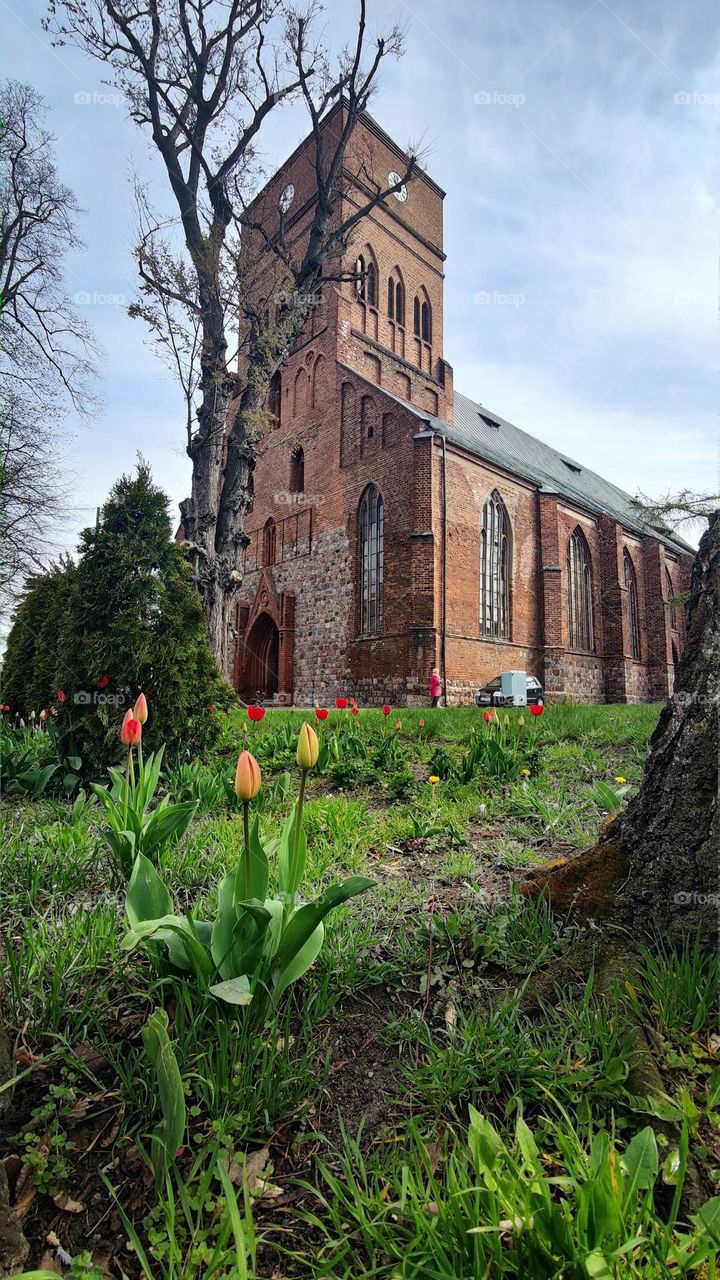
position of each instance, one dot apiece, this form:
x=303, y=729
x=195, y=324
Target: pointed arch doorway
x=263, y=657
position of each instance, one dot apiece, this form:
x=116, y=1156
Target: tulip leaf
x=166, y=822
x=306, y=919
x=233, y=991
x=292, y=853
x=146, y=898
x=169, y=1134
x=259, y=869
x=301, y=961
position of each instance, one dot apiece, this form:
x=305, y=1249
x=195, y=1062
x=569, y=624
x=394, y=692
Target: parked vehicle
x=491, y=694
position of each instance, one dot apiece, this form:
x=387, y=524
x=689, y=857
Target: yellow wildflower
x=433, y=778
x=621, y=779
x=525, y=773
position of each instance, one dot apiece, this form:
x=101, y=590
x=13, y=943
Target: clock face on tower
x=286, y=197
x=393, y=179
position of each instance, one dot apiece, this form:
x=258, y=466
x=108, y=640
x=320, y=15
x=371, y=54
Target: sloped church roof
x=493, y=439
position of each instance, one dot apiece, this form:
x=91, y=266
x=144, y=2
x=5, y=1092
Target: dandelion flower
x=433, y=778
x=621, y=779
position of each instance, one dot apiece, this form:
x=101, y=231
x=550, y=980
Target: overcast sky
x=578, y=146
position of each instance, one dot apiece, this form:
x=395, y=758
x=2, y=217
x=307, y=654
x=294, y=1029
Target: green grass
x=434, y=963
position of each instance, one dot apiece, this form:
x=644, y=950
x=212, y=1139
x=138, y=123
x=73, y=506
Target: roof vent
x=571, y=466
x=489, y=422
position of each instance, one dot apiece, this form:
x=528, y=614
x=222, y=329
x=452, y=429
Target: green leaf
x=146, y=898
x=166, y=823
x=292, y=859
x=306, y=919
x=169, y=1134
x=259, y=869
x=708, y=1218
x=640, y=1163
x=302, y=960
x=486, y=1146
x=233, y=990
x=74, y=762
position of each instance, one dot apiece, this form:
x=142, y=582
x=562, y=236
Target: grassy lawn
x=446, y=1092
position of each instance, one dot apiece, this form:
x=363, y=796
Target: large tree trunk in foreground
x=658, y=863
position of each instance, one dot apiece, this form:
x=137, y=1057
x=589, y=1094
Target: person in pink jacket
x=434, y=687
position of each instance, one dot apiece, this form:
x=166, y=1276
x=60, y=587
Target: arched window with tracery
x=371, y=555
x=579, y=583
x=633, y=612
x=495, y=567
x=269, y=542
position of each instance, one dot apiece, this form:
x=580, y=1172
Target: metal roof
x=495, y=440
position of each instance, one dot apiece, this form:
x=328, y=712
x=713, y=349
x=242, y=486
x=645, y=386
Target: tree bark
x=658, y=863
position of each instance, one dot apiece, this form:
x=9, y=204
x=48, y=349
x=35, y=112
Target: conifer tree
x=125, y=619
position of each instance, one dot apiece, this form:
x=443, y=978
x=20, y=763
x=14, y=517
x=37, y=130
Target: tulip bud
x=308, y=747
x=140, y=710
x=521, y=719
x=43, y=715
x=506, y=718
x=247, y=777
x=386, y=710
x=131, y=730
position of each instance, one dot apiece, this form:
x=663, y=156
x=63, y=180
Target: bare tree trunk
x=658, y=863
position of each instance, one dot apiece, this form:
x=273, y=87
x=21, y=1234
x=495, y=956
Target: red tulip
x=386, y=710
x=103, y=682
x=487, y=715
x=421, y=724
x=60, y=696
x=355, y=711
x=341, y=703
x=321, y=713
x=398, y=725
x=536, y=709
x=256, y=713
x=131, y=731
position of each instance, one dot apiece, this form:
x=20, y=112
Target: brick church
x=397, y=526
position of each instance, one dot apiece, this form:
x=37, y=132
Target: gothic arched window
x=416, y=317
x=632, y=605
x=579, y=578
x=269, y=542
x=297, y=471
x=396, y=297
x=370, y=545
x=495, y=561
x=671, y=602
x=360, y=278
x=426, y=322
